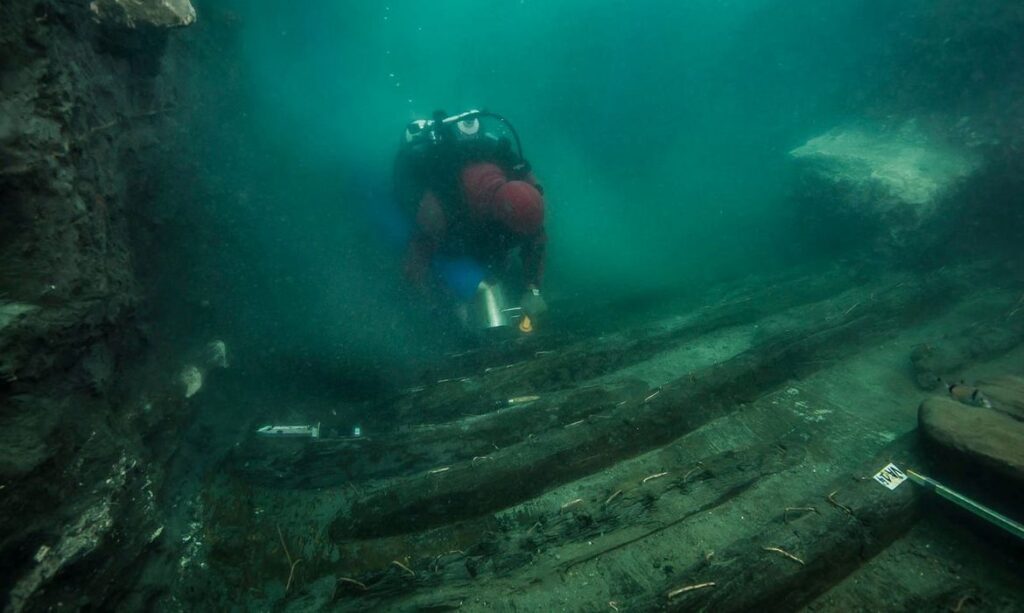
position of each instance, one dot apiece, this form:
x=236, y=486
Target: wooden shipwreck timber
x=637, y=470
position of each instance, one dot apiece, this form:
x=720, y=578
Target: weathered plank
x=556, y=456
x=604, y=519
x=756, y=574
x=476, y=391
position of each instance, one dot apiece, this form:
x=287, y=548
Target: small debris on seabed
x=653, y=477
x=521, y=400
x=652, y=395
x=699, y=466
x=439, y=470
x=832, y=500
x=613, y=496
x=292, y=562
x=784, y=553
x=571, y=503
x=960, y=603
x=690, y=588
x=494, y=368
x=785, y=514
x=459, y=354
x=614, y=604
x=1016, y=307
x=404, y=567
x=359, y=584
x=42, y=553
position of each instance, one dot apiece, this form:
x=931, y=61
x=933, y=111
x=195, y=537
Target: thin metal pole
x=976, y=508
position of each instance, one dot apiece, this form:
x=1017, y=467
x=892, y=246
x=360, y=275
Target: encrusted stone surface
x=82, y=460
x=894, y=186
x=903, y=169
x=135, y=13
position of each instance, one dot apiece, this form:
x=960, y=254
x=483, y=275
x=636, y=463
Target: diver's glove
x=533, y=303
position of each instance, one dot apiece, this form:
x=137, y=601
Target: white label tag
x=890, y=476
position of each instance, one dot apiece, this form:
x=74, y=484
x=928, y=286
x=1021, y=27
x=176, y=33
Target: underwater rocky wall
x=80, y=447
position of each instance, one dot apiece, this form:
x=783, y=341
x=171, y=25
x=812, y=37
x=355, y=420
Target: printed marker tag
x=890, y=476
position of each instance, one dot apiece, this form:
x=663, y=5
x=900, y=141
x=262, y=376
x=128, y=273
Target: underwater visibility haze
x=535, y=306
x=660, y=139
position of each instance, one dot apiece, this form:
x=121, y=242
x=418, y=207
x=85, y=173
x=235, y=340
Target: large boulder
x=135, y=13
x=978, y=436
x=891, y=179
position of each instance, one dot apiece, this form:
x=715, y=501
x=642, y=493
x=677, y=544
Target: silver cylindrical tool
x=490, y=306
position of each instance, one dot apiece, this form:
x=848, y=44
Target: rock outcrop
x=136, y=13
x=905, y=169
x=82, y=458
x=893, y=181
x=991, y=438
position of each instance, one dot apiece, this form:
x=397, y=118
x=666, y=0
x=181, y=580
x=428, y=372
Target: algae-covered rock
x=135, y=13
x=904, y=169
x=891, y=182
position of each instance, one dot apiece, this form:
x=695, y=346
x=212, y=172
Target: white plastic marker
x=891, y=477
x=290, y=431
x=521, y=400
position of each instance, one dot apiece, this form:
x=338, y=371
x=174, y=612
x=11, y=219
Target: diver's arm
x=427, y=236
x=417, y=259
x=533, y=253
x=534, y=249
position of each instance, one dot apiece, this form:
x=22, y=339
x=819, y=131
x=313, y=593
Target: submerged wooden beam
x=465, y=405
x=784, y=568
x=562, y=454
x=603, y=520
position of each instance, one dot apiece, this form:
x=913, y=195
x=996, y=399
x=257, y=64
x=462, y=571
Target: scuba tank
x=425, y=135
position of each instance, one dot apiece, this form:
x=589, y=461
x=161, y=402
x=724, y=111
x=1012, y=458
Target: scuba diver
x=473, y=199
